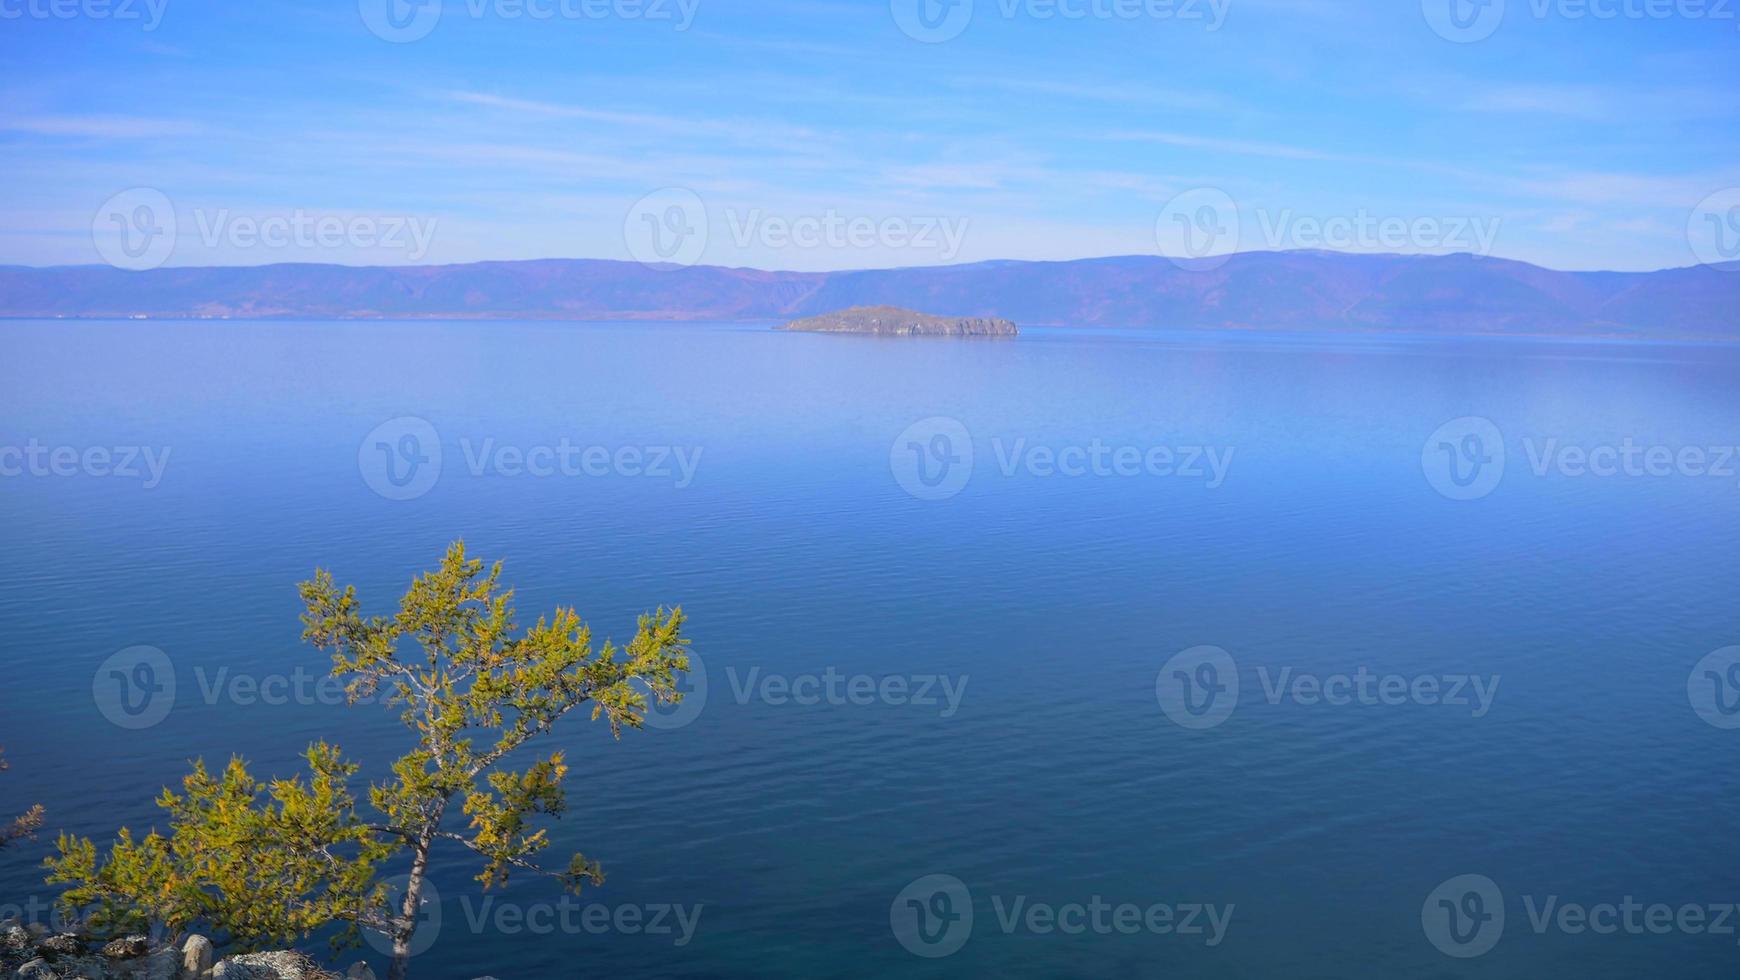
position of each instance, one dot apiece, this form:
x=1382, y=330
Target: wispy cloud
x=1282, y=151
x=101, y=127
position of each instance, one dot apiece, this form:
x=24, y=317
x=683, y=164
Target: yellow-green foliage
x=260, y=863
x=23, y=826
x=267, y=863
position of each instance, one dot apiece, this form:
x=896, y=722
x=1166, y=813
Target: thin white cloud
x=100, y=127
x=1242, y=147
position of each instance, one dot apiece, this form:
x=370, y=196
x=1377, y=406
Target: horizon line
x=674, y=267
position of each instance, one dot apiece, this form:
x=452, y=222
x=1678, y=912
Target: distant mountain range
x=1253, y=290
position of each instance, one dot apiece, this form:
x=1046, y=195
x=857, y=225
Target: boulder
x=196, y=958
x=37, y=969
x=159, y=964
x=14, y=940
x=359, y=971
x=127, y=948
x=65, y=944
x=81, y=968
x=268, y=966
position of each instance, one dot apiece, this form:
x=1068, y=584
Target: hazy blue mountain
x=1254, y=290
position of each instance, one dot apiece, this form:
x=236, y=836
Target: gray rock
x=127, y=948
x=37, y=969
x=268, y=966
x=65, y=944
x=159, y=964
x=196, y=958
x=14, y=939
x=81, y=968
x=359, y=971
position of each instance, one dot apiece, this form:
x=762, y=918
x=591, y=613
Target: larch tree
x=263, y=863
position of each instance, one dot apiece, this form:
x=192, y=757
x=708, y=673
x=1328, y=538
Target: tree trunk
x=411, y=908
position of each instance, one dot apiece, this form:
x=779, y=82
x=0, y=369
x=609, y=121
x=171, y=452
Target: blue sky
x=818, y=134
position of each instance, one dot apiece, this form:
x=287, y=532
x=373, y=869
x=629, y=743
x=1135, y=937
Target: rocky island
x=891, y=321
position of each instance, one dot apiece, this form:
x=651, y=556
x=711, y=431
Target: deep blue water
x=1058, y=777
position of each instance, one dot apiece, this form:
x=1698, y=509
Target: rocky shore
x=891, y=321
x=33, y=953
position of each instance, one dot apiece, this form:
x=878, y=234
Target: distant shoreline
x=1042, y=329
x=1287, y=291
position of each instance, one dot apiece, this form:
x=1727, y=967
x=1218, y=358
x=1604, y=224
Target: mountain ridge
x=1459, y=293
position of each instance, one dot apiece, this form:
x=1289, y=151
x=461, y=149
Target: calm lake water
x=951, y=599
